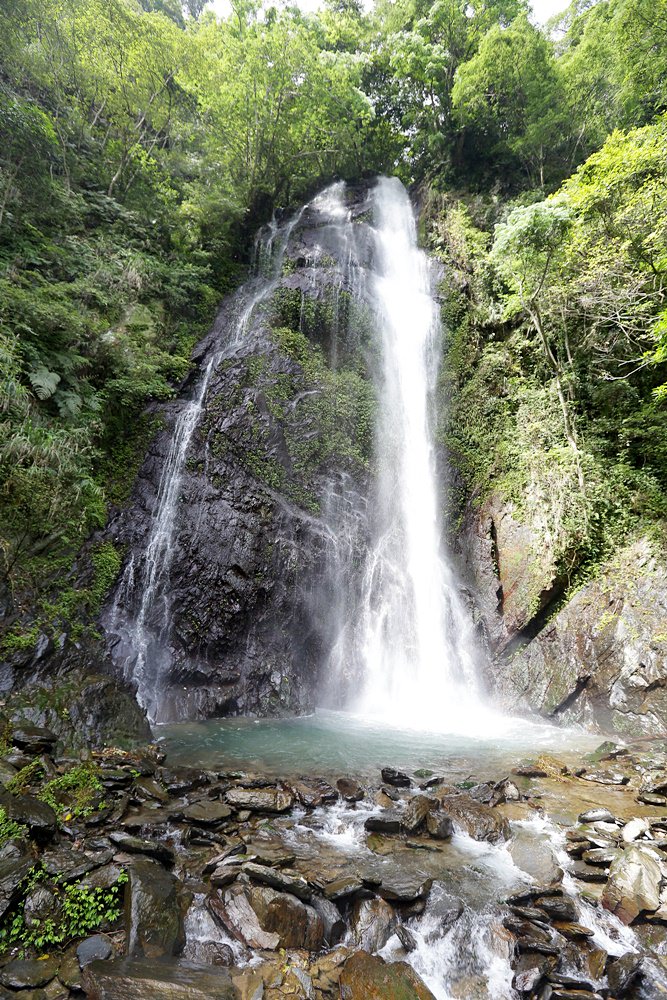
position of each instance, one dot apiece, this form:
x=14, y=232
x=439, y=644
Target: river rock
x=137, y=979
x=606, y=777
x=334, y=925
x=387, y=821
x=368, y=977
x=404, y=886
x=152, y=913
x=479, y=821
x=415, y=813
x=313, y=792
x=135, y=845
x=281, y=879
x=95, y=948
x=558, y=907
x=296, y=924
x=22, y=974
x=271, y=800
x=208, y=812
x=12, y=872
x=398, y=779
x=634, y=883
x=597, y=816
x=372, y=923
x=439, y=825
x=622, y=973
x=634, y=829
x=350, y=789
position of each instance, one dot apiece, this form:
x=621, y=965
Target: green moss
x=76, y=793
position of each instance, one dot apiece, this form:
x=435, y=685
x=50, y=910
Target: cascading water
x=143, y=637
x=415, y=636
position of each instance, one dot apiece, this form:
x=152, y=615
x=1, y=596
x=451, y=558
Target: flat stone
x=350, y=789
x=271, y=800
x=651, y=799
x=588, y=873
x=136, y=979
x=96, y=948
x=572, y=930
x=601, y=856
x=634, y=829
x=22, y=974
x=606, y=777
x=387, y=821
x=597, y=816
x=37, y=816
x=280, y=879
x=33, y=740
x=404, y=887
x=207, y=813
x=398, y=779
x=344, y=887
x=368, y=977
x=135, y=845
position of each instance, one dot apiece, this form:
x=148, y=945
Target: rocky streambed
x=124, y=876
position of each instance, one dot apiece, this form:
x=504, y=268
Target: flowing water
x=401, y=637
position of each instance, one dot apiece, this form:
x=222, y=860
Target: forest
x=142, y=143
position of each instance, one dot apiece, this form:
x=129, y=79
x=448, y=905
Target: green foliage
x=81, y=911
x=24, y=778
x=76, y=793
x=9, y=828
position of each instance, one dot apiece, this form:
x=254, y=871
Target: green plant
x=25, y=777
x=82, y=910
x=9, y=828
x=76, y=793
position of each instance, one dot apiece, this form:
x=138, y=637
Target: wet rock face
x=251, y=602
x=602, y=659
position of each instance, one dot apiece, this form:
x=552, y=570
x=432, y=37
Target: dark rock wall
x=272, y=496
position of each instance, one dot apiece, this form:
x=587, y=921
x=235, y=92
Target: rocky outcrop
x=279, y=447
x=601, y=659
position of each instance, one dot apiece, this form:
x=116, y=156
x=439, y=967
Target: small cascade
x=143, y=636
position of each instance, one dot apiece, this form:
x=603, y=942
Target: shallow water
x=336, y=743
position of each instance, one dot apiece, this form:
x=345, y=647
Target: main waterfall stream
x=402, y=675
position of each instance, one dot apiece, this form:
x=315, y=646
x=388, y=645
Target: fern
x=44, y=382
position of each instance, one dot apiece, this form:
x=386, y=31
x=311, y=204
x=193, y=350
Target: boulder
x=135, y=845
x=37, y=816
x=95, y=948
x=140, y=979
x=313, y=792
x=208, y=812
x=398, y=779
x=33, y=740
x=368, y=977
x=634, y=883
x=24, y=973
x=479, y=821
x=372, y=923
x=334, y=925
x=350, y=789
x=264, y=918
x=152, y=914
x=439, y=825
x=281, y=879
x=387, y=821
x=415, y=813
x=270, y=800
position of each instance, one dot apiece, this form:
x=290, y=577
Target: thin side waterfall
x=415, y=637
x=144, y=636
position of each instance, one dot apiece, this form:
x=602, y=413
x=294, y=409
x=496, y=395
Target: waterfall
x=143, y=637
x=415, y=636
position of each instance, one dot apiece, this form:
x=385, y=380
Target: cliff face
x=598, y=659
x=270, y=499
